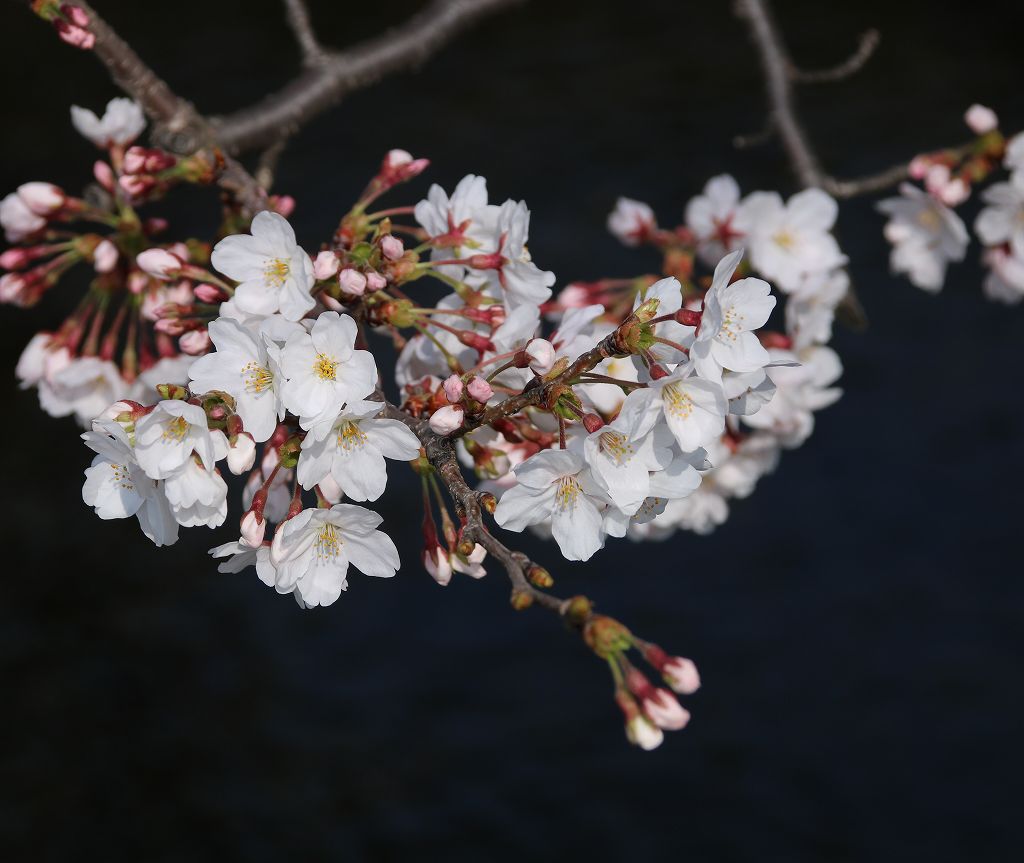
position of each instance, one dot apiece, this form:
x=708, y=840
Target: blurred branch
x=177, y=126
x=854, y=63
x=298, y=19
x=340, y=73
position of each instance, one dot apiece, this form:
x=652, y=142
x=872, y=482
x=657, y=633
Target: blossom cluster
x=621, y=407
x=926, y=232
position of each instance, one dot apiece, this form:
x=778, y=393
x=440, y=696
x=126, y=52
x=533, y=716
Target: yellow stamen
x=350, y=436
x=677, y=402
x=256, y=378
x=568, y=490
x=328, y=543
x=276, y=271
x=325, y=367
x=176, y=430
x=616, y=446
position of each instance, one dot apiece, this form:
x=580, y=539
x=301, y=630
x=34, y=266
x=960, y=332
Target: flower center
x=122, y=477
x=784, y=239
x=677, y=402
x=568, y=490
x=929, y=219
x=256, y=378
x=731, y=324
x=350, y=436
x=325, y=367
x=275, y=271
x=328, y=543
x=175, y=430
x=616, y=446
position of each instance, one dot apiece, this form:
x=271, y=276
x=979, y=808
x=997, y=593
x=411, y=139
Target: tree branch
x=854, y=63
x=326, y=84
x=298, y=19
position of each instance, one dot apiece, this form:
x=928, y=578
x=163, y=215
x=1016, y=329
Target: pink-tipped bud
x=134, y=160
x=681, y=674
x=480, y=390
x=981, y=120
x=542, y=356
x=42, y=198
x=352, y=282
x=399, y=166
x=76, y=36
x=253, y=529
x=325, y=265
x=282, y=204
x=104, y=256
x=392, y=247
x=955, y=192
x=104, y=175
x=592, y=423
x=446, y=420
x=375, y=282
x=242, y=455
x=195, y=342
x=159, y=263
x=75, y=14
x=16, y=258
x=170, y=326
x=453, y=387
x=206, y=293
x=662, y=708
x=437, y=563
x=640, y=732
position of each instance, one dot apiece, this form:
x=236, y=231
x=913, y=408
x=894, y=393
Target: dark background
x=857, y=621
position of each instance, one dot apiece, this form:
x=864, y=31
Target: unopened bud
x=159, y=263
x=254, y=528
x=446, y=420
x=981, y=120
x=352, y=282
x=688, y=318
x=488, y=502
x=41, y=198
x=104, y=256
x=241, y=454
x=392, y=247
x=206, y=293
x=326, y=265
x=592, y=423
x=375, y=282
x=453, y=387
x=541, y=355
x=521, y=600
x=195, y=342
x=480, y=390
x=540, y=577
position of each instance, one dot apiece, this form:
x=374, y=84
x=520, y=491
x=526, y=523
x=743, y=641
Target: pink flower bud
x=955, y=192
x=980, y=119
x=662, y=708
x=453, y=389
x=573, y=297
x=480, y=390
x=396, y=159
x=169, y=326
x=104, y=256
x=137, y=281
x=681, y=674
x=254, y=528
x=392, y=247
x=104, y=175
x=446, y=420
x=325, y=265
x=208, y=294
x=436, y=562
x=159, y=263
x=15, y=259
x=42, y=198
x=134, y=160
x=194, y=342
x=79, y=37
x=136, y=185
x=75, y=14
x=375, y=282
x=399, y=166
x=642, y=733
x=541, y=354
x=242, y=456
x=282, y=204
x=352, y=282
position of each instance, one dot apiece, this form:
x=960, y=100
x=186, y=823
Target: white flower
x=631, y=221
x=17, y=220
x=241, y=556
x=1013, y=159
x=1003, y=220
x=803, y=387
x=313, y=550
x=440, y=215
x=1005, y=280
x=117, y=487
x=789, y=241
x=693, y=408
x=521, y=281
x=167, y=436
x=352, y=450
x=711, y=216
x=122, y=123
x=83, y=386
x=197, y=494
x=553, y=484
x=621, y=456
x=248, y=368
x=32, y=363
x=809, y=313
x=677, y=480
x=324, y=372
x=273, y=272
x=926, y=235
x=731, y=311
x=669, y=294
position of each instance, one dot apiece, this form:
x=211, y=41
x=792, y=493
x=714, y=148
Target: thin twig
x=298, y=19
x=854, y=63
x=340, y=73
